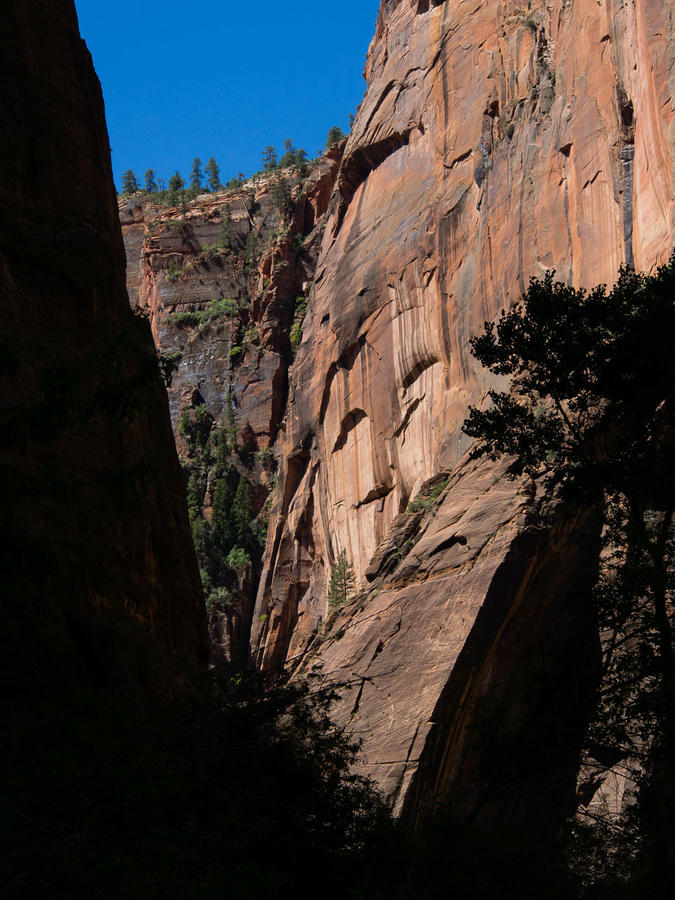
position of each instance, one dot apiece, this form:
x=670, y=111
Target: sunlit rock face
x=99, y=577
x=495, y=141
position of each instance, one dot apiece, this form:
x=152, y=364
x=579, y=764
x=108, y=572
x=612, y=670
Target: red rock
x=493, y=143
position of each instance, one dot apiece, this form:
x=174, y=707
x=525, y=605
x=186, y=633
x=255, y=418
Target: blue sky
x=224, y=79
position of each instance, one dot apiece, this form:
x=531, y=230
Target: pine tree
x=176, y=189
x=289, y=156
x=269, y=159
x=334, y=136
x=223, y=528
x=283, y=197
x=129, y=183
x=341, y=581
x=242, y=512
x=196, y=175
x=150, y=181
x=176, y=183
x=212, y=175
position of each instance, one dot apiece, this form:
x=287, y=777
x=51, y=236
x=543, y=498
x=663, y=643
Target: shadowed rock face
x=222, y=280
x=493, y=143
x=99, y=578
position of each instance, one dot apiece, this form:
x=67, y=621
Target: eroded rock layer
x=223, y=279
x=495, y=141
x=99, y=581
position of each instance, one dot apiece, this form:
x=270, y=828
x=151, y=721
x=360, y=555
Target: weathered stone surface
x=185, y=261
x=98, y=579
x=240, y=248
x=135, y=213
x=493, y=142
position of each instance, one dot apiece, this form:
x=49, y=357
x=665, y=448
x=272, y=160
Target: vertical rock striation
x=494, y=142
x=222, y=279
x=99, y=579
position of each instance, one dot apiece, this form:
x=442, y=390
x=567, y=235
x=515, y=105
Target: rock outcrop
x=222, y=279
x=99, y=580
x=495, y=141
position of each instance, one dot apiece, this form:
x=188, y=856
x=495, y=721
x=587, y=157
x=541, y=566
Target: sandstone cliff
x=99, y=580
x=495, y=141
x=223, y=281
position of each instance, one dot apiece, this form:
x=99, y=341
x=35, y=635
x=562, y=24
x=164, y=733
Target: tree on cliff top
x=591, y=409
x=150, y=181
x=269, y=159
x=196, y=175
x=334, y=136
x=212, y=175
x=129, y=183
x=176, y=189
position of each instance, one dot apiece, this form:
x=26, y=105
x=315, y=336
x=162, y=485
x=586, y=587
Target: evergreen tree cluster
x=289, y=158
x=234, y=536
x=207, y=178
x=202, y=178
x=341, y=583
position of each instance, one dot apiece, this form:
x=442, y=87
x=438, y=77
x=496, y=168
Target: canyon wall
x=99, y=580
x=223, y=279
x=495, y=141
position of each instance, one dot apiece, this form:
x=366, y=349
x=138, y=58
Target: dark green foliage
x=288, y=157
x=173, y=272
x=223, y=532
x=292, y=157
x=296, y=328
x=212, y=175
x=269, y=159
x=427, y=498
x=242, y=512
x=593, y=381
x=185, y=319
x=334, y=136
x=176, y=193
x=150, y=181
x=196, y=175
x=216, y=309
x=251, y=250
x=283, y=197
x=239, y=796
x=129, y=183
x=341, y=581
x=236, y=182
x=168, y=365
x=196, y=423
x=238, y=558
x=176, y=183
x=234, y=523
x=591, y=409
